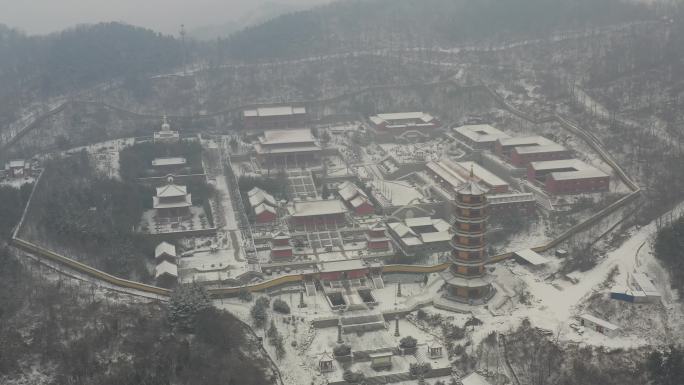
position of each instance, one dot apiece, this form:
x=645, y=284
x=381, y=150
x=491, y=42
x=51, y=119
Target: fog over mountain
x=166, y=16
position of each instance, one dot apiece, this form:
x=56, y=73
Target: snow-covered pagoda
x=467, y=279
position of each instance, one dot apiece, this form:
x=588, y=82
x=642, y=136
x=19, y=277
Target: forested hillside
x=54, y=330
x=36, y=67
x=369, y=24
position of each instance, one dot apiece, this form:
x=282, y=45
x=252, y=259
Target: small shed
x=326, y=363
x=165, y=252
x=435, y=349
x=642, y=282
x=17, y=168
x=599, y=325
x=530, y=257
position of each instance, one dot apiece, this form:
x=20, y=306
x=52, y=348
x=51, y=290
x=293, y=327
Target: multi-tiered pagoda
x=466, y=278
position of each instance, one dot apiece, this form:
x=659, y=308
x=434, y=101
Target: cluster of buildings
x=408, y=126
x=459, y=196
x=547, y=164
x=18, y=169
x=451, y=175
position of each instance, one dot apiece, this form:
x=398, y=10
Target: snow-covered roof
x=296, y=135
x=171, y=190
x=597, y=321
x=481, y=133
x=258, y=209
x=411, y=241
x=535, y=140
x=345, y=265
x=16, y=163
x=481, y=173
x=471, y=188
x=568, y=169
x=401, y=230
x=358, y=201
x=280, y=234
x=165, y=268
x=258, y=196
x=158, y=204
x=474, y=379
x=508, y=198
x=419, y=221
x=440, y=224
x=319, y=207
x=457, y=173
x=531, y=256
x=164, y=135
x=644, y=282
x=376, y=120
x=377, y=226
x=402, y=120
x=171, y=161
x=349, y=190
x=540, y=149
x=446, y=173
x=418, y=115
x=439, y=236
x=164, y=248
x=465, y=282
x=274, y=111
x=265, y=149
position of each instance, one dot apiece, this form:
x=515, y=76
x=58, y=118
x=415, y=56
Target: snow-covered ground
x=556, y=303
x=397, y=193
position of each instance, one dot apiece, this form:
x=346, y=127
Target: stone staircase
x=378, y=282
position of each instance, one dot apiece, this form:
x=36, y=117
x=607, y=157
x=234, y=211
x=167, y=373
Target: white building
x=598, y=325
x=642, y=283
x=480, y=136
x=166, y=134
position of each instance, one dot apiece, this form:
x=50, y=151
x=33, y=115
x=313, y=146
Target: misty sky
x=44, y=16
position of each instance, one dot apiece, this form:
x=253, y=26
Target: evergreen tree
x=185, y=303
x=666, y=368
